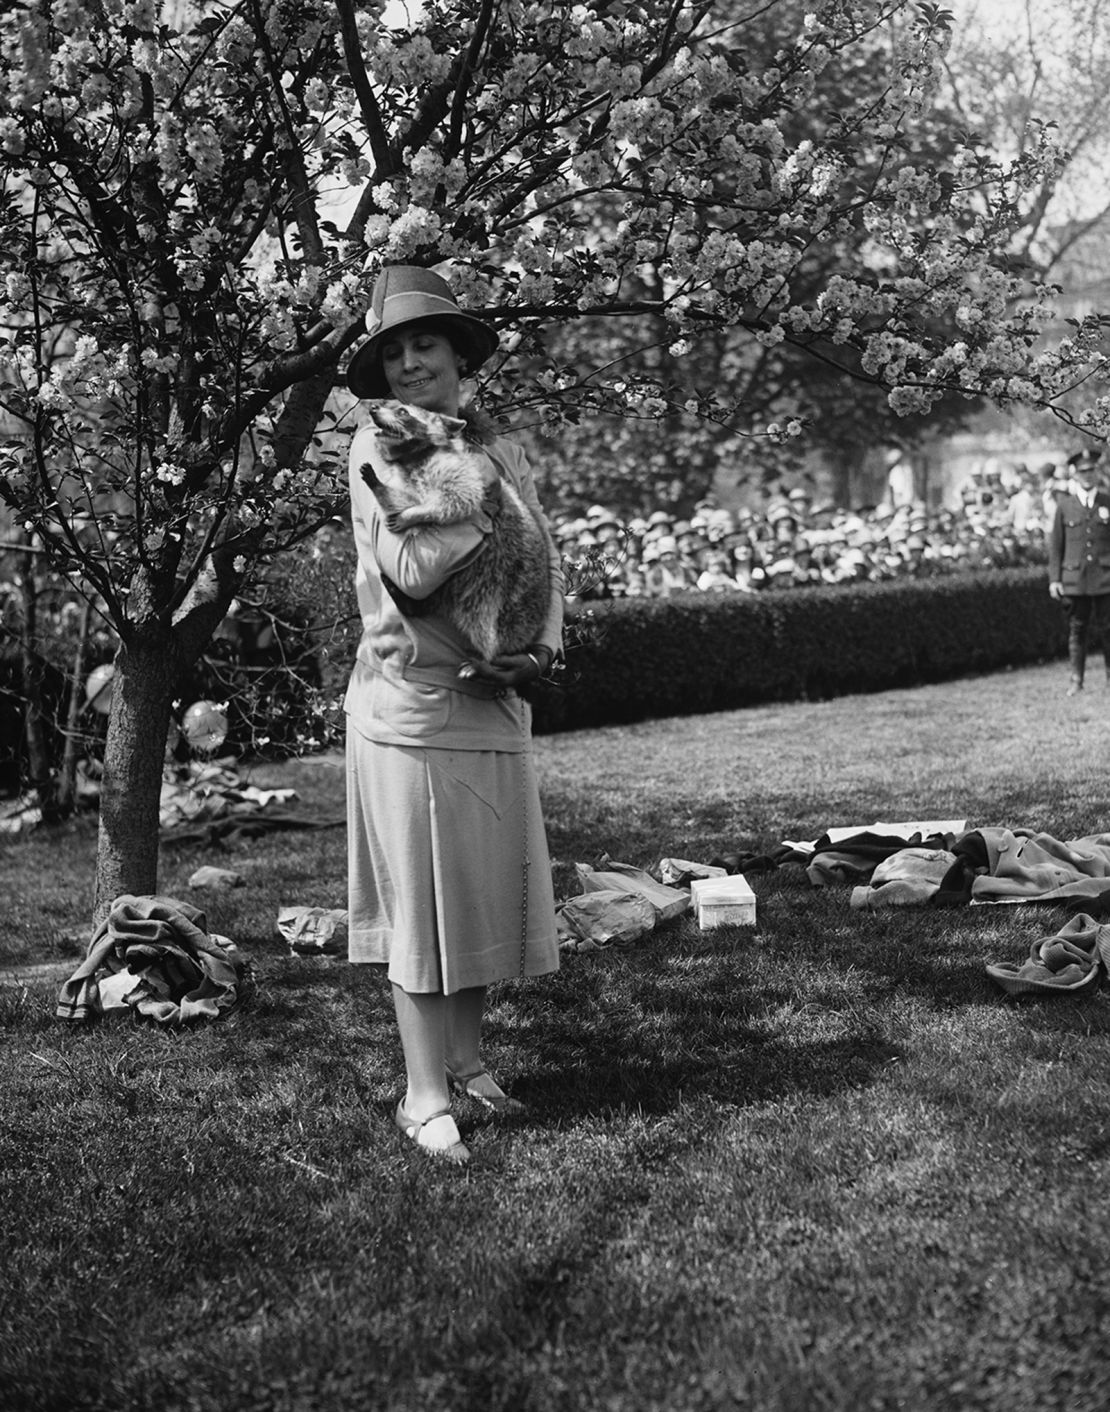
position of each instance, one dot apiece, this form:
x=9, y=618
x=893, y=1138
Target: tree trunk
x=36, y=726
x=134, y=753
x=300, y=417
x=859, y=477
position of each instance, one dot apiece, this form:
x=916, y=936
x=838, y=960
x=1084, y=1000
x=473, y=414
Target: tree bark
x=147, y=671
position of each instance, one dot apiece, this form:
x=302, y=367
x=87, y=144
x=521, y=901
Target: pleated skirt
x=449, y=876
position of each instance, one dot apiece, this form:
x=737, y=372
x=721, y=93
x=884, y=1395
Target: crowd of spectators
x=1001, y=522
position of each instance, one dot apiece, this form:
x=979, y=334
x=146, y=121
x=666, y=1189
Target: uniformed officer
x=1079, y=561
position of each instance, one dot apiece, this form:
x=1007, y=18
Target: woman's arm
x=416, y=561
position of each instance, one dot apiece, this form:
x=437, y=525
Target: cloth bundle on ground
x=211, y=790
x=909, y=877
x=207, y=803
x=856, y=857
x=155, y=955
x=1069, y=961
x=987, y=865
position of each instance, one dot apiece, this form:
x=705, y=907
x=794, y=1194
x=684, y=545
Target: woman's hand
x=511, y=668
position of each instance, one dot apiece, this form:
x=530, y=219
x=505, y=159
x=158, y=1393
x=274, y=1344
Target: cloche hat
x=406, y=294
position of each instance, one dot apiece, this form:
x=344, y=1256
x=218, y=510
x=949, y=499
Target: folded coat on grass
x=181, y=972
x=1023, y=865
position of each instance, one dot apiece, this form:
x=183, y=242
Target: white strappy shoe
x=435, y=1134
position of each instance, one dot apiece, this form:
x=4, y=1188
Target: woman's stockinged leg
x=465, y=1009
x=422, y=1025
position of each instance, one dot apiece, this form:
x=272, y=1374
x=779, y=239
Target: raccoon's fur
x=428, y=474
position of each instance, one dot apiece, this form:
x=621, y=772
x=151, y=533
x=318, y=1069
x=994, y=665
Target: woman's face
x=423, y=369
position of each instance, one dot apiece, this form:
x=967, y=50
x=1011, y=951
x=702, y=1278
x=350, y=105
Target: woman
x=449, y=875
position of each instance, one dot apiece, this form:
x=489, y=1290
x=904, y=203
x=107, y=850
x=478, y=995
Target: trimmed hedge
x=700, y=652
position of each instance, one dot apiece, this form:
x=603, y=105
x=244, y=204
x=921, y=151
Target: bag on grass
x=668, y=902
x=314, y=931
x=595, y=920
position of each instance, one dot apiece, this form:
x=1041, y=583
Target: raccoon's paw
x=396, y=521
x=369, y=475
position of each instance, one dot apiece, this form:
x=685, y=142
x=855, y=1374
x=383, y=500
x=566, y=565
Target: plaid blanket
x=181, y=972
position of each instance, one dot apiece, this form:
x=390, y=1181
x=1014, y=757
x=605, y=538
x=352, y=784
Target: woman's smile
x=422, y=368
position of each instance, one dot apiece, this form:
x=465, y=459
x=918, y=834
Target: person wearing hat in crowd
x=659, y=523
x=805, y=569
x=716, y=574
x=1079, y=562
x=914, y=553
x=799, y=501
x=449, y=875
x=664, y=572
x=782, y=523
x=689, y=541
x=746, y=570
x=1023, y=497
x=1054, y=483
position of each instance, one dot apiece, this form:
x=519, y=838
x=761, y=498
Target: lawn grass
x=822, y=1165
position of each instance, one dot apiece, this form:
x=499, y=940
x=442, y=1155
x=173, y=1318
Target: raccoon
x=429, y=475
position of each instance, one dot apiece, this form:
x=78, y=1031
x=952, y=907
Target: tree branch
x=367, y=103
x=467, y=63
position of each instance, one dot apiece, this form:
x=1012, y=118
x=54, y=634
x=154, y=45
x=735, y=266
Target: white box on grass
x=727, y=901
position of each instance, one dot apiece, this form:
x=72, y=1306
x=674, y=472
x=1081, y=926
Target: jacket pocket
x=410, y=708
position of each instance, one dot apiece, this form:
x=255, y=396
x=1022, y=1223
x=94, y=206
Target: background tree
x=1047, y=65
x=1013, y=70
x=196, y=196
x=174, y=313
x=768, y=385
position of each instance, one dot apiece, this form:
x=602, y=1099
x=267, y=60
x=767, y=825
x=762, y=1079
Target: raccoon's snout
x=386, y=419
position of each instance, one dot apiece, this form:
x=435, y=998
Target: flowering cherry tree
x=196, y=197
x=1051, y=64
x=174, y=309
